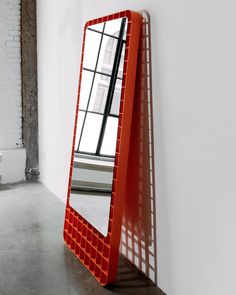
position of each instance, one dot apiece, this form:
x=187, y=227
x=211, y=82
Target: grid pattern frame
x=100, y=254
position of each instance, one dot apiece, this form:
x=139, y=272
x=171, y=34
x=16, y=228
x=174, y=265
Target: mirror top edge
x=124, y=13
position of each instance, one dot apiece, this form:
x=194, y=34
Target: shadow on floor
x=129, y=279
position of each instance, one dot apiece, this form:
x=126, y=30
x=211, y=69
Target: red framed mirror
x=100, y=148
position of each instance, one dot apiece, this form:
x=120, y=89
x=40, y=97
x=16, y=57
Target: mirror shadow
x=138, y=241
x=97, y=125
x=129, y=281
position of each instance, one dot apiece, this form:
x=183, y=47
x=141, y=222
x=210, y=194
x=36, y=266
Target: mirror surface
x=97, y=125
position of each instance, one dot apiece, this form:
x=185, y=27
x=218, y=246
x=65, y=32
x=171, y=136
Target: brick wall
x=10, y=75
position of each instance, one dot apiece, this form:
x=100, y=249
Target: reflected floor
x=94, y=207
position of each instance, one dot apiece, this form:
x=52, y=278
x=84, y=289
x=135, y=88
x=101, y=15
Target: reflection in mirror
x=97, y=125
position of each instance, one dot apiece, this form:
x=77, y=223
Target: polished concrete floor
x=33, y=257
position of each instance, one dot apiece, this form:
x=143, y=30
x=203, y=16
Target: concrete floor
x=33, y=257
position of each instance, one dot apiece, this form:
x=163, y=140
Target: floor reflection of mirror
x=91, y=189
x=93, y=206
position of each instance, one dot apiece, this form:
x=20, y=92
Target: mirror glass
x=97, y=125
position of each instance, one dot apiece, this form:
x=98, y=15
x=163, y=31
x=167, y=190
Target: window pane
x=121, y=65
x=113, y=26
x=97, y=27
x=92, y=42
x=125, y=32
x=99, y=93
x=115, y=107
x=107, y=55
x=110, y=136
x=79, y=128
x=86, y=84
x=90, y=133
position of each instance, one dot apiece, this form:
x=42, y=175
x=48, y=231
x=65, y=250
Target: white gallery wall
x=194, y=93
x=13, y=157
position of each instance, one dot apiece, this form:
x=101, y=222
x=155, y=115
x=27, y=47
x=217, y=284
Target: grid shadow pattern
x=138, y=242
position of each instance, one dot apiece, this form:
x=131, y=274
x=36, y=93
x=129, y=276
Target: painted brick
x=10, y=75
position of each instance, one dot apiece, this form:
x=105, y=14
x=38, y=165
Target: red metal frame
x=100, y=254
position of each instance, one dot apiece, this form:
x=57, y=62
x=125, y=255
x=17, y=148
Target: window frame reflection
x=113, y=75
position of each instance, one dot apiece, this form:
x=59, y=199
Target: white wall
x=10, y=92
x=194, y=71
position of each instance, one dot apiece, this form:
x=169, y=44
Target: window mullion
x=112, y=84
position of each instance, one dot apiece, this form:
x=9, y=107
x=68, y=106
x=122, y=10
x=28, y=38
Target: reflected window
x=101, y=89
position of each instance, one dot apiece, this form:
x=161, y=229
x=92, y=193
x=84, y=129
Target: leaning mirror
x=101, y=141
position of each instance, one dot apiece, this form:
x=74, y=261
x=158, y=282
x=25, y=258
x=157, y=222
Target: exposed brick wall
x=10, y=75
